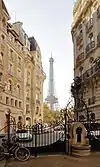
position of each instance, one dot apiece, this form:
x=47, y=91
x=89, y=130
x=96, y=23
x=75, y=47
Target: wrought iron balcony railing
x=27, y=98
x=93, y=71
x=91, y=100
x=80, y=58
x=38, y=101
x=79, y=38
x=98, y=12
x=90, y=47
x=27, y=111
x=89, y=25
x=98, y=40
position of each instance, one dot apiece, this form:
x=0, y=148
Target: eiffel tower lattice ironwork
x=51, y=99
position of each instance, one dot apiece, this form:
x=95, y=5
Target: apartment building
x=18, y=67
x=86, y=44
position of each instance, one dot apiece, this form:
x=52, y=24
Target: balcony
x=38, y=101
x=90, y=47
x=98, y=12
x=89, y=25
x=98, y=40
x=91, y=100
x=79, y=58
x=28, y=84
x=27, y=98
x=27, y=112
x=79, y=38
x=93, y=71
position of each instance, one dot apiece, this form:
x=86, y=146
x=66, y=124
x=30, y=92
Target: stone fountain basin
x=81, y=147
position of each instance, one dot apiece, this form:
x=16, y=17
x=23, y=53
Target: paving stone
x=58, y=161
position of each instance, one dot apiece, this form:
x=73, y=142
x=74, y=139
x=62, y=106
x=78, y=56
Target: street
x=58, y=161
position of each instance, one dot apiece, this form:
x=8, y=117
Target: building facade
x=86, y=44
x=20, y=66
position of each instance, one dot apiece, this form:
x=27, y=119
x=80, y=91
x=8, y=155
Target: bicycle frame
x=12, y=148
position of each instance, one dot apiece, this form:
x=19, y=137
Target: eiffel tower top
x=51, y=60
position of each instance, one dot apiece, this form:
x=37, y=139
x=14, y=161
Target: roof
x=33, y=44
x=5, y=9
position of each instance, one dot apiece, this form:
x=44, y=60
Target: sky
x=49, y=21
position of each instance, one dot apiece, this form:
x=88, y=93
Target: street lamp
x=8, y=123
x=77, y=90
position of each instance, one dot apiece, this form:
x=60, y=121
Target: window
x=2, y=39
x=19, y=73
x=19, y=61
x=10, y=68
x=28, y=74
x=0, y=76
x=1, y=56
x=37, y=110
x=11, y=54
x=27, y=107
x=20, y=104
x=16, y=103
x=4, y=22
x=37, y=96
x=27, y=94
x=12, y=102
x=18, y=89
x=7, y=100
x=10, y=85
x=0, y=97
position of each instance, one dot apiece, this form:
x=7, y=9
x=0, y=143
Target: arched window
x=10, y=85
x=18, y=89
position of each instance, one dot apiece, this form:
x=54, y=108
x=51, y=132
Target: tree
x=51, y=117
x=47, y=114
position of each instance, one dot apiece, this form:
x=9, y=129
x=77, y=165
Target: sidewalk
x=3, y=163
x=58, y=161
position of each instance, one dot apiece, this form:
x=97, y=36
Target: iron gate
x=51, y=140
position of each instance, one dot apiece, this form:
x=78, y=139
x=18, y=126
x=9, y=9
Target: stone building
x=86, y=44
x=20, y=66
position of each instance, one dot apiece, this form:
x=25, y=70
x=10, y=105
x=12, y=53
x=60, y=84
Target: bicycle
x=13, y=150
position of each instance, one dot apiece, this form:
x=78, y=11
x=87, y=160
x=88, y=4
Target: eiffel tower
x=51, y=99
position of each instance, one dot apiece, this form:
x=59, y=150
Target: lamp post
x=77, y=89
x=66, y=129
x=8, y=124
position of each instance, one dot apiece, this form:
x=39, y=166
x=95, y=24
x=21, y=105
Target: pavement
x=3, y=163
x=57, y=161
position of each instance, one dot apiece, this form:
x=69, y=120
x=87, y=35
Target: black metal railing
x=91, y=100
x=98, y=39
x=38, y=101
x=94, y=70
x=98, y=12
x=80, y=58
x=89, y=25
x=79, y=38
x=90, y=47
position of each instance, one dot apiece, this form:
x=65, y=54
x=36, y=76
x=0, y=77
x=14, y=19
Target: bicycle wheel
x=22, y=154
x=2, y=153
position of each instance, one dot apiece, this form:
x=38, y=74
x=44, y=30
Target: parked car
x=22, y=135
x=93, y=129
